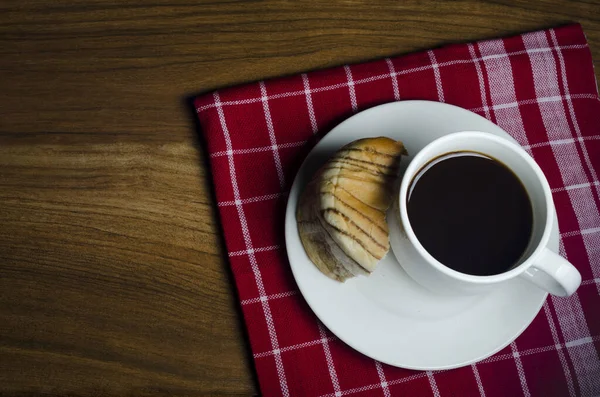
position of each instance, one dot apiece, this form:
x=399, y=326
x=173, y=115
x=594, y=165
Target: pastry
x=341, y=214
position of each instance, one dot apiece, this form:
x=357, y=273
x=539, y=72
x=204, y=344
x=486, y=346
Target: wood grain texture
x=113, y=277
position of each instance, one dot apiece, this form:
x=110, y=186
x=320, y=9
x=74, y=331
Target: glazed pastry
x=341, y=215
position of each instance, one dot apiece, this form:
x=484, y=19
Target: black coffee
x=471, y=213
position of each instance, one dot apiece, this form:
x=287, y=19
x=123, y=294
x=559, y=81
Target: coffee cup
x=537, y=263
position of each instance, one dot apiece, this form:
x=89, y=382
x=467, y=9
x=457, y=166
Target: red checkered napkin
x=539, y=87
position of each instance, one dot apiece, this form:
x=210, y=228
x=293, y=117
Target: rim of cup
x=421, y=158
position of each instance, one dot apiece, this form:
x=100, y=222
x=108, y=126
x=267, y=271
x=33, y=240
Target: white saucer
x=387, y=316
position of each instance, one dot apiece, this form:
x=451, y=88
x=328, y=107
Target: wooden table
x=113, y=274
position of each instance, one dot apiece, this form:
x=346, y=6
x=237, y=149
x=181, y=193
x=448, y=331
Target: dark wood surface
x=113, y=276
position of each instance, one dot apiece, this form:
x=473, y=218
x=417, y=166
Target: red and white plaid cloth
x=539, y=87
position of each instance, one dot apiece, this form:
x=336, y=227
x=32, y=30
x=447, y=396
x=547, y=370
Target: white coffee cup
x=539, y=265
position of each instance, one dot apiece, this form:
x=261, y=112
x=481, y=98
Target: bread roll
x=341, y=214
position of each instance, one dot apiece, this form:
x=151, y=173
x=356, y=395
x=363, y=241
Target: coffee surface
x=471, y=213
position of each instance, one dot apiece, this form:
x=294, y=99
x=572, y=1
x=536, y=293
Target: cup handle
x=553, y=273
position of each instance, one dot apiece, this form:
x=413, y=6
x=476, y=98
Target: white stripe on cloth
x=502, y=89
x=571, y=318
x=269, y=121
x=579, y=342
x=578, y=186
x=255, y=199
x=329, y=359
x=292, y=347
x=257, y=149
x=384, y=384
x=478, y=380
x=592, y=281
x=251, y=251
x=433, y=384
x=390, y=66
x=351, y=90
x=252, y=258
x=566, y=141
x=309, y=104
x=438, y=77
x=535, y=101
x=561, y=353
x=482, y=90
x=582, y=232
x=520, y=370
x=269, y=297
